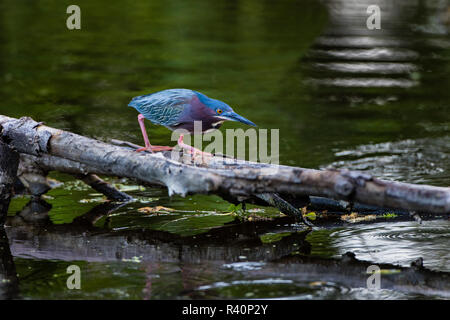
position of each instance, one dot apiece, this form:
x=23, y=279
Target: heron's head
x=222, y=111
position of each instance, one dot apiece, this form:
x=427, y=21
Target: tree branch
x=239, y=179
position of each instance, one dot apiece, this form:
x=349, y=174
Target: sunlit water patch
x=245, y=266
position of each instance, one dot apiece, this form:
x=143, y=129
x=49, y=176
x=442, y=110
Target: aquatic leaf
x=75, y=185
x=311, y=215
x=235, y=208
x=389, y=215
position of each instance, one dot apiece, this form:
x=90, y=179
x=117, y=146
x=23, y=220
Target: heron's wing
x=164, y=107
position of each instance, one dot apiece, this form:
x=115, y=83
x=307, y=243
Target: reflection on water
x=230, y=262
x=207, y=280
x=416, y=161
x=350, y=63
x=397, y=243
x=366, y=82
x=367, y=67
x=350, y=51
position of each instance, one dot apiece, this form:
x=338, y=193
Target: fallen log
x=51, y=163
x=226, y=177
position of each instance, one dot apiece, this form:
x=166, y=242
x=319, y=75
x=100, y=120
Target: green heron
x=178, y=109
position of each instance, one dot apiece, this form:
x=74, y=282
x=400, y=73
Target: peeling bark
x=238, y=179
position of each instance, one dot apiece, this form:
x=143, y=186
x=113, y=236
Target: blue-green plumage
x=180, y=109
x=164, y=107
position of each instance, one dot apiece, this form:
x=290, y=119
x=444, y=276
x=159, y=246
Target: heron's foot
x=161, y=148
x=153, y=149
x=191, y=150
x=199, y=156
x=195, y=152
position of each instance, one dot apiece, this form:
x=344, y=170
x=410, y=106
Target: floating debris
x=156, y=209
x=133, y=259
x=93, y=200
x=354, y=217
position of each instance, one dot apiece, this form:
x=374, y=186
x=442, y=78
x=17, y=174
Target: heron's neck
x=204, y=99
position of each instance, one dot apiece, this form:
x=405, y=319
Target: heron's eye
x=219, y=111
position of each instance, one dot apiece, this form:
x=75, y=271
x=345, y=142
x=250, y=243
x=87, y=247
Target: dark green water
x=341, y=95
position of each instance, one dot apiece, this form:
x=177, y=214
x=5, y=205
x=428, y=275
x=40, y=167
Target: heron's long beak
x=233, y=116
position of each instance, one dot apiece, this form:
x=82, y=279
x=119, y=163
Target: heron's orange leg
x=191, y=149
x=148, y=146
